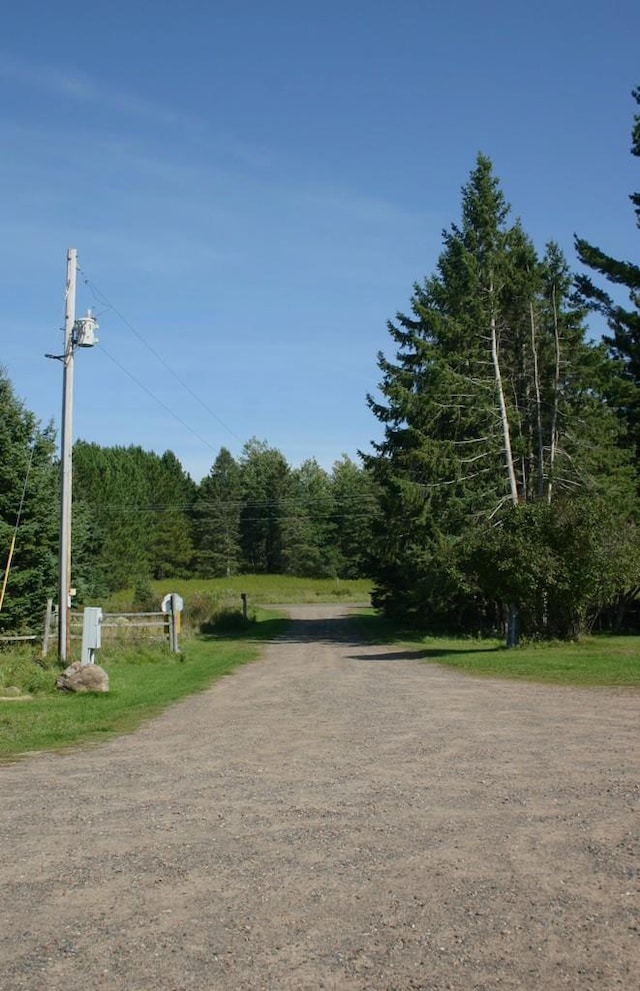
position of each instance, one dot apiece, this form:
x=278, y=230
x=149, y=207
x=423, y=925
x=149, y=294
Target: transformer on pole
x=77, y=333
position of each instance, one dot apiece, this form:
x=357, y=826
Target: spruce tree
x=623, y=321
x=172, y=493
x=266, y=479
x=355, y=509
x=492, y=400
x=216, y=515
x=308, y=527
x=28, y=510
x=113, y=484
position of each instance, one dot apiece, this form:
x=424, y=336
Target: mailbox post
x=172, y=605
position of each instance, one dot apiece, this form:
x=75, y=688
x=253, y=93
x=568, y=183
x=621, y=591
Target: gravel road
x=334, y=816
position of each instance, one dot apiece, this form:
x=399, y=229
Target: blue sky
x=253, y=187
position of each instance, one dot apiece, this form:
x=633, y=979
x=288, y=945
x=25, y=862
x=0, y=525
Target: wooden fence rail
x=119, y=626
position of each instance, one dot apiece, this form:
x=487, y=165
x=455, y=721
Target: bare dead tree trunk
x=536, y=380
x=553, y=443
x=512, y=610
x=504, y=419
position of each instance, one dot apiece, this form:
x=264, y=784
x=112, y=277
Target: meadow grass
x=259, y=589
x=143, y=681
x=602, y=660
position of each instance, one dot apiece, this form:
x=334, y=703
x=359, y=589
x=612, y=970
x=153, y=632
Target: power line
x=241, y=504
x=103, y=300
x=160, y=402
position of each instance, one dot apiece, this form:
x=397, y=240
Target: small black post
x=513, y=626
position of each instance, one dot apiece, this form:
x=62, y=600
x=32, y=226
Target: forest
x=503, y=493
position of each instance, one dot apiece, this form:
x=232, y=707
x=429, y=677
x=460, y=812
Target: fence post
x=243, y=596
x=513, y=626
x=174, y=618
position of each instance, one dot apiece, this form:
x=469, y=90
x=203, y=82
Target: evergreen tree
x=28, y=475
x=266, y=478
x=308, y=527
x=355, y=510
x=623, y=321
x=172, y=494
x=216, y=515
x=131, y=518
x=113, y=484
x=492, y=400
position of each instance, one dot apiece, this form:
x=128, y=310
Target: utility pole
x=66, y=440
x=77, y=333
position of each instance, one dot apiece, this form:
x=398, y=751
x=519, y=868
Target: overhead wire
x=153, y=396
x=103, y=300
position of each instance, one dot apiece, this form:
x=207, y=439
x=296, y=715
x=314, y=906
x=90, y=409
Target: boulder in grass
x=11, y=693
x=90, y=678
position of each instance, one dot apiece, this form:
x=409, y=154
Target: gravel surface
x=334, y=816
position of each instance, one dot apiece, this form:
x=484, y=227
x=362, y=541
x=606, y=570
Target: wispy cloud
x=82, y=88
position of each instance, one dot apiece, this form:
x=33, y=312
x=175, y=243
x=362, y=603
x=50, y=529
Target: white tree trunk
x=536, y=379
x=512, y=611
x=553, y=443
x=504, y=419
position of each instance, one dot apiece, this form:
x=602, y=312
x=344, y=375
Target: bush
x=559, y=564
x=144, y=598
x=227, y=621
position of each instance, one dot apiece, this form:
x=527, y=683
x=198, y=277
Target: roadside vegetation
x=202, y=595
x=143, y=681
x=601, y=660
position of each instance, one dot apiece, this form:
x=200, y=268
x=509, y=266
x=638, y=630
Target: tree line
x=139, y=516
x=504, y=489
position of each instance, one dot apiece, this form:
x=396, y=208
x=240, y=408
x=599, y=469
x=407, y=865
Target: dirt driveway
x=334, y=816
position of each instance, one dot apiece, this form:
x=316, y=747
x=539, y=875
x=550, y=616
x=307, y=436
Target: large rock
x=90, y=678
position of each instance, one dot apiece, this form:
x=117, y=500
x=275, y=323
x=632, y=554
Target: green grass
x=260, y=590
x=143, y=681
x=602, y=660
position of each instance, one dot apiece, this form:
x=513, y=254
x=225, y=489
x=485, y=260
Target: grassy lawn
x=143, y=681
x=598, y=660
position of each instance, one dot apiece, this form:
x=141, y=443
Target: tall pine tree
x=216, y=514
x=492, y=401
x=266, y=491
x=623, y=321
x=308, y=527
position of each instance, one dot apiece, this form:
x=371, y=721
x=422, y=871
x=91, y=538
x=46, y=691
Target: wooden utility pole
x=64, y=564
